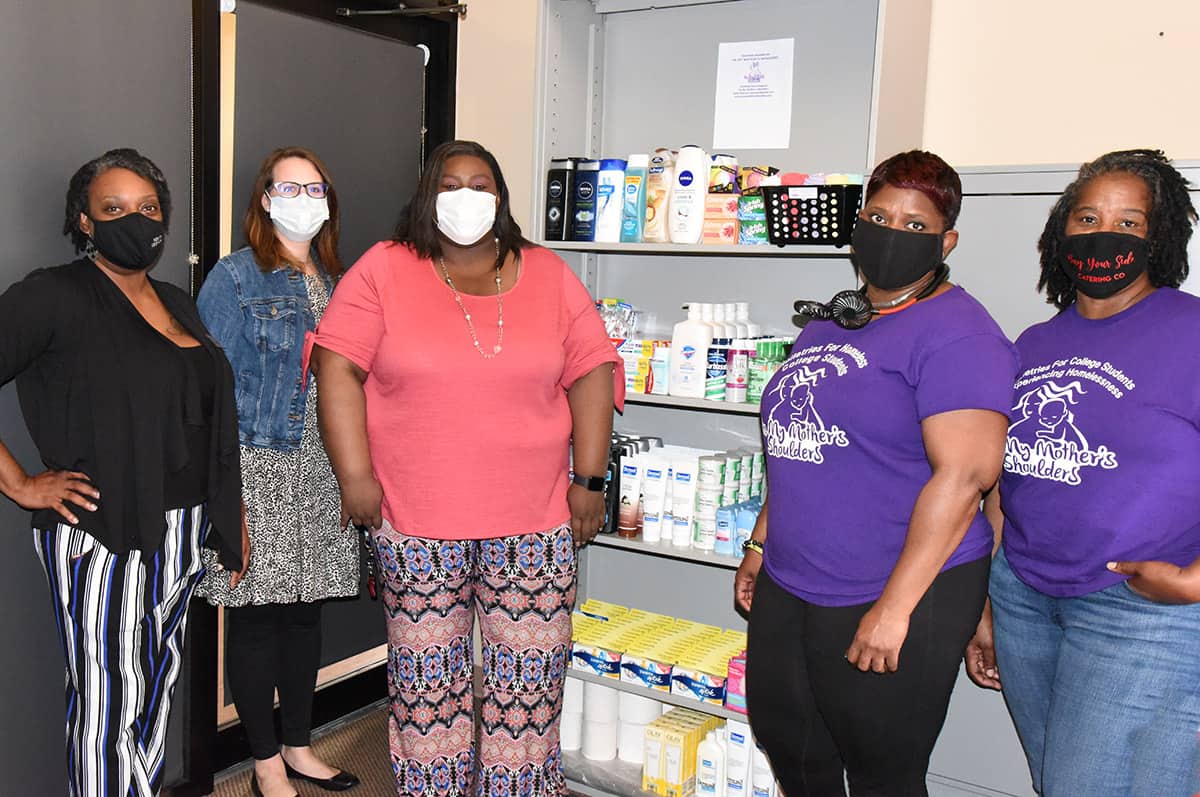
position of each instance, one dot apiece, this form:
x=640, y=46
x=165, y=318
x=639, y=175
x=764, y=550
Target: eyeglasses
x=289, y=190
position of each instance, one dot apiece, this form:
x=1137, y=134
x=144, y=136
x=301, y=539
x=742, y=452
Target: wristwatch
x=753, y=545
x=594, y=484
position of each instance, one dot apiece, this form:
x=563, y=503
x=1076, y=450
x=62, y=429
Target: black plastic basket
x=811, y=214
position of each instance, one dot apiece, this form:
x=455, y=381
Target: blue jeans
x=1104, y=688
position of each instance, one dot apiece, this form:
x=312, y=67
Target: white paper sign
x=754, y=95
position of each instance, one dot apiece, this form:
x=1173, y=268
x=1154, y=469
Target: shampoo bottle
x=689, y=355
x=560, y=184
x=610, y=188
x=688, y=195
x=633, y=207
x=659, y=178
x=583, y=204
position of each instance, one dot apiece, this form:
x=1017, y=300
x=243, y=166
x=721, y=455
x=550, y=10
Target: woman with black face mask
x=882, y=431
x=1095, y=593
x=131, y=407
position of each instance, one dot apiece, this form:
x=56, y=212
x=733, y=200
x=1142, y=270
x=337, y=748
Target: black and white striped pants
x=121, y=621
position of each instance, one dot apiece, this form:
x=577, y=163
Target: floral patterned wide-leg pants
x=523, y=589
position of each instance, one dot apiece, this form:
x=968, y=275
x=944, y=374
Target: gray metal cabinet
x=621, y=76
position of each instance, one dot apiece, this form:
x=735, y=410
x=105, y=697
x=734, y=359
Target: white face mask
x=465, y=216
x=299, y=218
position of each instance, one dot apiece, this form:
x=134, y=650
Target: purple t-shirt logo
x=792, y=425
x=1046, y=442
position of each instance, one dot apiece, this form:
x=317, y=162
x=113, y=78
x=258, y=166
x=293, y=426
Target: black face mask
x=134, y=241
x=1103, y=263
x=889, y=259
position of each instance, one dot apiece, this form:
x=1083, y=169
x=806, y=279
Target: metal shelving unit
x=703, y=405
x=690, y=250
x=662, y=697
x=667, y=550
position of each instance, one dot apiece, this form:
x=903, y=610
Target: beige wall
x=1060, y=81
x=1008, y=82
x=495, y=100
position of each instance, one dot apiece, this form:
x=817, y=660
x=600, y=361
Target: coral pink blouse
x=463, y=447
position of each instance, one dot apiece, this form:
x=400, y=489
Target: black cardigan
x=104, y=393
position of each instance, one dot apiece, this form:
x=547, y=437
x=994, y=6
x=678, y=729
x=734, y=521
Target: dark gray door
x=353, y=98
x=76, y=79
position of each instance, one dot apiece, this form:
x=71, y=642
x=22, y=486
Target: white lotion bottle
x=689, y=355
x=710, y=767
x=688, y=192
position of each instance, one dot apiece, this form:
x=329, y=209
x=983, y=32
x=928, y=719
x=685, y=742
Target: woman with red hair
x=886, y=429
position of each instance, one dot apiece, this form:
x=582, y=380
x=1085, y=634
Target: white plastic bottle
x=753, y=330
x=710, y=767
x=689, y=355
x=610, y=193
x=737, y=371
x=659, y=178
x=708, y=316
x=633, y=204
x=688, y=192
x=763, y=779
x=731, y=316
x=728, y=328
x=739, y=758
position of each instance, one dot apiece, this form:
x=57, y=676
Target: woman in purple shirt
x=1095, y=593
x=882, y=431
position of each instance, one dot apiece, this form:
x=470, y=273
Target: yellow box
x=603, y=609
x=679, y=768
x=652, y=756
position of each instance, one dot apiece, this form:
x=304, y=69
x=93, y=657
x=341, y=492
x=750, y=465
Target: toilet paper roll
x=631, y=741
x=637, y=709
x=573, y=695
x=570, y=730
x=599, y=703
x=599, y=740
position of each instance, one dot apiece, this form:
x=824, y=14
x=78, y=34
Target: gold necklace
x=470, y=324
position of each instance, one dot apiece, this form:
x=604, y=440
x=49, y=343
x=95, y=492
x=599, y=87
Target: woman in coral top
x=459, y=368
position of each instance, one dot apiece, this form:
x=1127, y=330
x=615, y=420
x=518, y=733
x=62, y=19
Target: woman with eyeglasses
x=259, y=302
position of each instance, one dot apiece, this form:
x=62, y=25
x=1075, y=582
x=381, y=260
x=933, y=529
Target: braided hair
x=81, y=182
x=1169, y=230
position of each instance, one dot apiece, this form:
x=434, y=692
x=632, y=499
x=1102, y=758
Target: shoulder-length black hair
x=1169, y=227
x=417, y=228
x=81, y=183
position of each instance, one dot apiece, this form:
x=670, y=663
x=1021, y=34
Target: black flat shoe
x=257, y=792
x=339, y=782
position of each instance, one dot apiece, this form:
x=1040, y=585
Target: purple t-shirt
x=1103, y=456
x=841, y=424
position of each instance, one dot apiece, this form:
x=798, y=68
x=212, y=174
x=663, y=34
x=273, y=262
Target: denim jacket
x=260, y=320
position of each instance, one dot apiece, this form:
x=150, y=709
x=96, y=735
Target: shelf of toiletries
x=715, y=250
x=662, y=697
x=668, y=551
x=684, y=403
x=687, y=197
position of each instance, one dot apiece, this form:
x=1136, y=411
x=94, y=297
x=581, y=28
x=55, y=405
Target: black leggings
x=819, y=719
x=268, y=647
